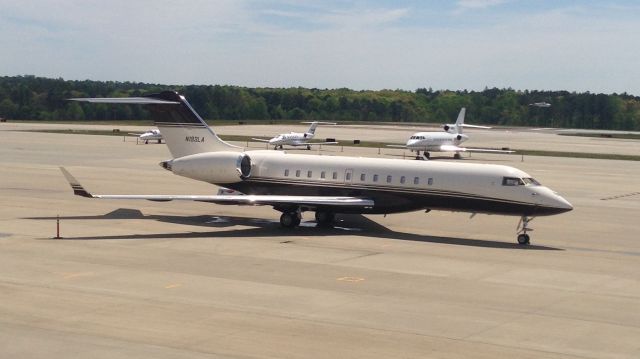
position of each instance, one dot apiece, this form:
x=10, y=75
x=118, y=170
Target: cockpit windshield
x=516, y=181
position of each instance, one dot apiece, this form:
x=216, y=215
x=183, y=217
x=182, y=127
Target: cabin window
x=512, y=181
x=286, y=173
x=347, y=176
x=403, y=179
x=389, y=178
x=309, y=174
x=297, y=173
x=430, y=181
x=335, y=175
x=375, y=178
x=416, y=180
x=322, y=174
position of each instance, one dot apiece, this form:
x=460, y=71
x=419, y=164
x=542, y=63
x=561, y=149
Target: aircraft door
x=348, y=175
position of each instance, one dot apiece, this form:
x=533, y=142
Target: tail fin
x=460, y=120
x=314, y=124
x=312, y=128
x=184, y=131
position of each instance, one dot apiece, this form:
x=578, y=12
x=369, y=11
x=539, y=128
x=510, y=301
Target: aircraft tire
x=426, y=155
x=290, y=219
x=523, y=239
x=325, y=218
x=457, y=156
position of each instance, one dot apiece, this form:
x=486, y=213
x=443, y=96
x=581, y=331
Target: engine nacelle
x=213, y=167
x=449, y=128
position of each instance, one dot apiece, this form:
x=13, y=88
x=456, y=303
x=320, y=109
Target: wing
x=452, y=148
x=260, y=139
x=397, y=146
x=251, y=200
x=313, y=143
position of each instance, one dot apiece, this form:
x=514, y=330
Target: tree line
x=37, y=98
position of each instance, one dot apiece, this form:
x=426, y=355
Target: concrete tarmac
x=140, y=279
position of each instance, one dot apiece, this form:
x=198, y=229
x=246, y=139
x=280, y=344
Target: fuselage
x=394, y=185
x=151, y=135
x=432, y=141
x=291, y=139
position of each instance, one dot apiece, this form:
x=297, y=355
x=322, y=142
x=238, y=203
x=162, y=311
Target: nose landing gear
x=523, y=228
x=425, y=156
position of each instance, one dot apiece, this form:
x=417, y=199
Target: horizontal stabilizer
x=126, y=100
x=474, y=126
x=320, y=122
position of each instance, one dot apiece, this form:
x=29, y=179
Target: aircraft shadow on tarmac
x=353, y=224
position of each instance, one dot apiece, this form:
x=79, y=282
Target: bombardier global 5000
x=296, y=183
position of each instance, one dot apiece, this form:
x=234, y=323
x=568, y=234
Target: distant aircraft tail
x=314, y=125
x=457, y=127
x=184, y=131
x=312, y=128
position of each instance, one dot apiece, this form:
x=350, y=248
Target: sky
x=363, y=45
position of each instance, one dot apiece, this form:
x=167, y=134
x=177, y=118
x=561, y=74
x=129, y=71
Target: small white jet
x=297, y=138
x=540, y=104
x=151, y=135
x=448, y=141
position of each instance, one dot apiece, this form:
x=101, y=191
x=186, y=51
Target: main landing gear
x=309, y=147
x=523, y=228
x=457, y=156
x=426, y=155
x=325, y=218
x=292, y=218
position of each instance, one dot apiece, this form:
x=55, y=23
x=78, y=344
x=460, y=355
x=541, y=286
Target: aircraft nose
x=563, y=204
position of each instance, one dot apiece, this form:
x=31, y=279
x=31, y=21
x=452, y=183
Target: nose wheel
x=523, y=228
x=425, y=156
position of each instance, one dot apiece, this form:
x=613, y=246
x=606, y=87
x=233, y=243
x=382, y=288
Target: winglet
x=78, y=190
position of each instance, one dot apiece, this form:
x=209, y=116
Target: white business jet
x=151, y=135
x=298, y=138
x=448, y=141
x=540, y=104
x=296, y=183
